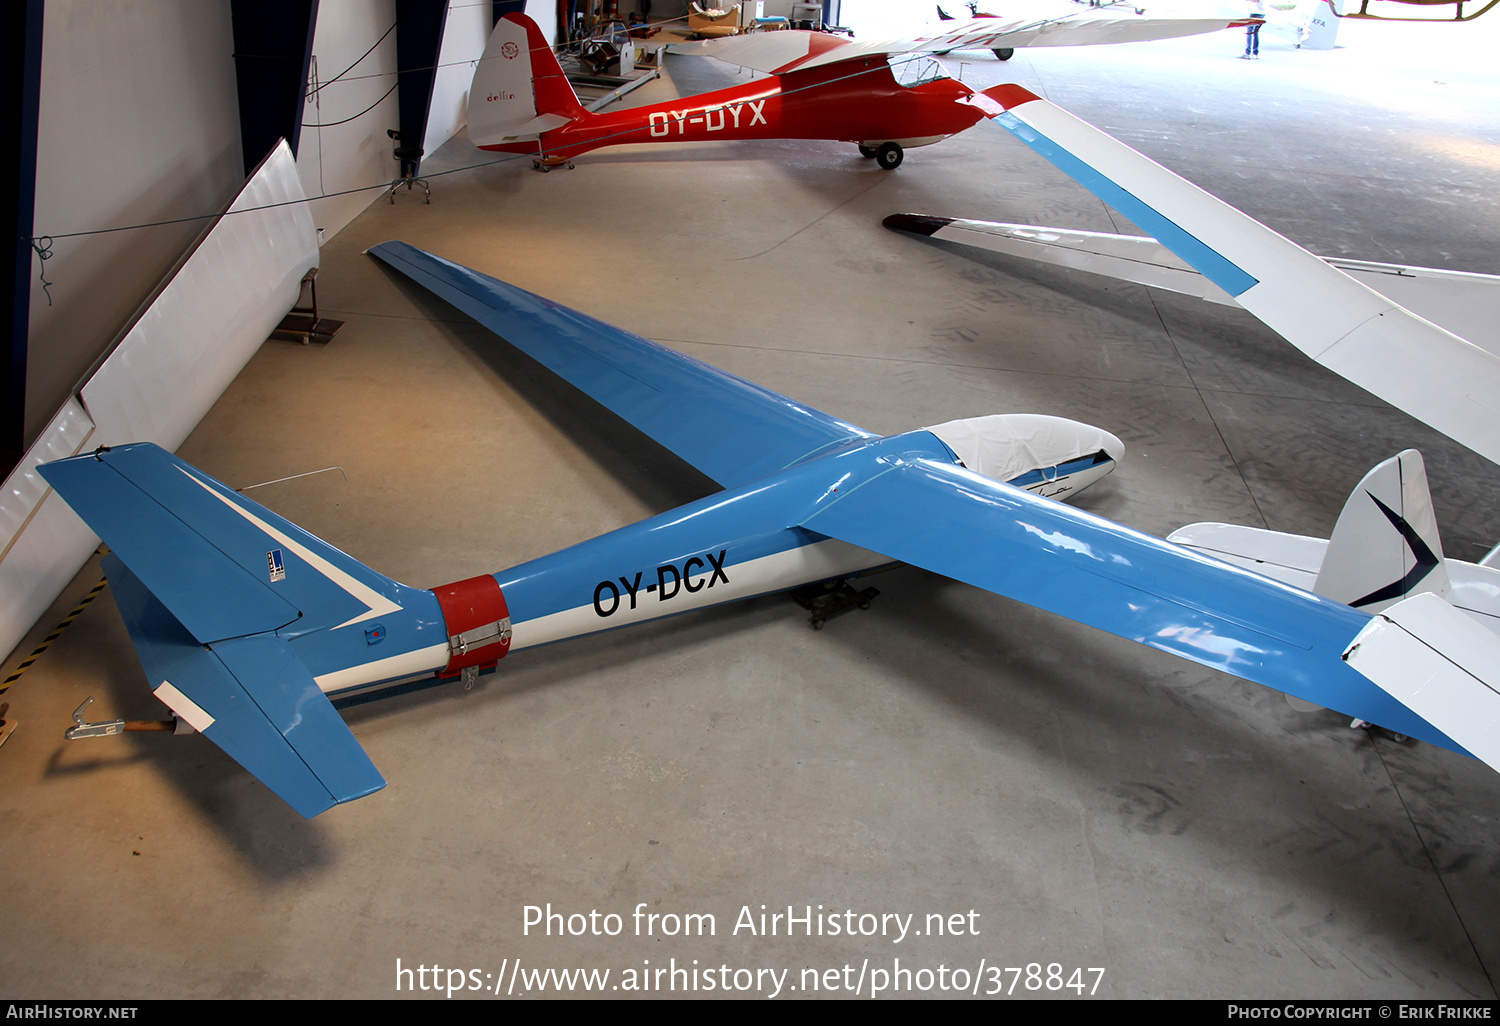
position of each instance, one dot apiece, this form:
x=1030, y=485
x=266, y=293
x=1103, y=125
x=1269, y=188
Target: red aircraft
x=820, y=86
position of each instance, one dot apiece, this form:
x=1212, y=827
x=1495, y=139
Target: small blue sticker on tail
x=275, y=566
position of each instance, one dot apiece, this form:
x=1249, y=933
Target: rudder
x=1385, y=545
x=519, y=90
x=226, y=602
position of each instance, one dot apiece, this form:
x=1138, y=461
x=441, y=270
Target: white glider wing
x=1458, y=301
x=1054, y=23
x=1434, y=375
x=1438, y=663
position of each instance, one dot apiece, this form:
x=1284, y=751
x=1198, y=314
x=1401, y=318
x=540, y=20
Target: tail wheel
x=889, y=155
x=868, y=152
x=1005, y=53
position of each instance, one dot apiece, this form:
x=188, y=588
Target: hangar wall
x=344, y=145
x=139, y=123
x=357, y=152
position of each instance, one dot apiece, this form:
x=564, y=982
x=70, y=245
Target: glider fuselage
x=854, y=101
x=735, y=544
x=731, y=545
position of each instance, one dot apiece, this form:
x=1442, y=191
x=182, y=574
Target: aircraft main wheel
x=889, y=156
x=1005, y=53
x=868, y=152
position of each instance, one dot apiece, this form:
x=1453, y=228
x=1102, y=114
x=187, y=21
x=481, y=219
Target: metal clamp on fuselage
x=489, y=634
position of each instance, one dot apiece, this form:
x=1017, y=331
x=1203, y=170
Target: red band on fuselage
x=466, y=605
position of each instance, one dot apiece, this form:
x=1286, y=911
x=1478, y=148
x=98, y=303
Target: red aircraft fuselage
x=856, y=101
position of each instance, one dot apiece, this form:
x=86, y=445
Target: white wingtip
x=1439, y=663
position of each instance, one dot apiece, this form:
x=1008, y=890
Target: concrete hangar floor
x=1048, y=794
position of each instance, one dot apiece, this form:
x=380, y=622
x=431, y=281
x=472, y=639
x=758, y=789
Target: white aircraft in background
x=876, y=94
x=1355, y=318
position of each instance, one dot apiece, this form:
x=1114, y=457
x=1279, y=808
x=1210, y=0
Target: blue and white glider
x=247, y=625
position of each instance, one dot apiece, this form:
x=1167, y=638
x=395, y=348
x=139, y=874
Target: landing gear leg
x=825, y=601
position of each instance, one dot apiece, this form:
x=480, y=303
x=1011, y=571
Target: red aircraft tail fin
x=519, y=89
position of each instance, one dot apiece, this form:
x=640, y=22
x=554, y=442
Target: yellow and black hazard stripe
x=56, y=633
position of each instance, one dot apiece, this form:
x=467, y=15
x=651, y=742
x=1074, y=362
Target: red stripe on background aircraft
x=820, y=87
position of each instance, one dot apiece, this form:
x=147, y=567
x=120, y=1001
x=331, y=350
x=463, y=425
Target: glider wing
x=1437, y=377
x=1462, y=302
x=1049, y=24
x=1046, y=554
x=731, y=429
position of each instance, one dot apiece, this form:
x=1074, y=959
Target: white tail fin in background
x=1385, y=546
x=519, y=90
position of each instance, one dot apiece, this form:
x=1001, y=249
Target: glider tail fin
x=1385, y=546
x=519, y=90
x=228, y=605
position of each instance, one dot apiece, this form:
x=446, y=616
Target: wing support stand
x=303, y=320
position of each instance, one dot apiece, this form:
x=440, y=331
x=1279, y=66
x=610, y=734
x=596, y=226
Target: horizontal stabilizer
x=1289, y=558
x=536, y=126
x=253, y=698
x=1134, y=258
x=223, y=565
x=1432, y=374
x=211, y=594
x=1385, y=548
x=731, y=429
x=1439, y=663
